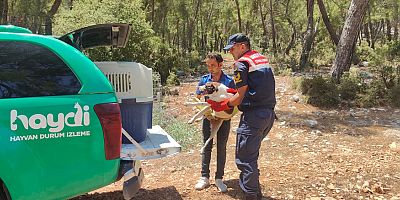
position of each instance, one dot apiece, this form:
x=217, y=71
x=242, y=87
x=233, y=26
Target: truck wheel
x=4, y=194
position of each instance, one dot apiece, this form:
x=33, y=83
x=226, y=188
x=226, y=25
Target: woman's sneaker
x=220, y=185
x=202, y=183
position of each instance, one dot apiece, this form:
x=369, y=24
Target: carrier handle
x=133, y=141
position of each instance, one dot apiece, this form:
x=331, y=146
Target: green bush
x=323, y=52
x=375, y=95
x=173, y=79
x=202, y=69
x=297, y=83
x=387, y=75
x=165, y=60
x=352, y=91
x=284, y=65
x=394, y=51
x=321, y=92
x=382, y=90
x=283, y=71
x=351, y=85
x=394, y=95
x=365, y=52
x=142, y=40
x=305, y=85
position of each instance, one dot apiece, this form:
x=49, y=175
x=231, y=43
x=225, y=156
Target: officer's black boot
x=259, y=195
x=253, y=197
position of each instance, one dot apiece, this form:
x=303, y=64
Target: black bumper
x=133, y=175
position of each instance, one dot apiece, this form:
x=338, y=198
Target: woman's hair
x=215, y=56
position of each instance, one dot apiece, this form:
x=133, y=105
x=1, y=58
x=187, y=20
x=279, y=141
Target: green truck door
x=51, y=140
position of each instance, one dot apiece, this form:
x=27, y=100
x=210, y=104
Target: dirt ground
x=309, y=154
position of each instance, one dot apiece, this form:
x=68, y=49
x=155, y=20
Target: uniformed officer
x=255, y=84
x=214, y=65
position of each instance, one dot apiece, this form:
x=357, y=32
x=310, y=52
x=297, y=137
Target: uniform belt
x=254, y=107
x=249, y=108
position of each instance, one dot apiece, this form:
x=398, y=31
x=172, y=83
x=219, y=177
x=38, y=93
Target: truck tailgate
x=157, y=144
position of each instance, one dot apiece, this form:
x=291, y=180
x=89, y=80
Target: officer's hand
x=231, y=90
x=219, y=106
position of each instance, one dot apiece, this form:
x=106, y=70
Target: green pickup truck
x=60, y=123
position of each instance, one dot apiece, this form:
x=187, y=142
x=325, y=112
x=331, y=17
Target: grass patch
x=185, y=134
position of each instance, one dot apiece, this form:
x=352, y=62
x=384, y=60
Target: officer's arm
x=238, y=97
x=241, y=72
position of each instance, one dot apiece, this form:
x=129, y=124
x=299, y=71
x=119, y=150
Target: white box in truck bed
x=157, y=144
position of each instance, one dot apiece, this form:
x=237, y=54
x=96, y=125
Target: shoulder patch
x=237, y=78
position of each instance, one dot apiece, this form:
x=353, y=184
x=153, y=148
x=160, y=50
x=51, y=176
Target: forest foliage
x=320, y=37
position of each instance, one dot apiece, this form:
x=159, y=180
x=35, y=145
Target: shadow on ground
x=341, y=121
x=235, y=192
x=166, y=193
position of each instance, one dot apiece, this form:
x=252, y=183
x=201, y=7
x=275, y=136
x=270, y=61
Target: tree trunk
x=388, y=29
x=367, y=35
x=271, y=11
x=221, y=45
x=372, y=32
x=305, y=54
x=191, y=26
x=348, y=38
x=152, y=13
x=396, y=20
x=328, y=25
x=49, y=17
x=382, y=27
x=3, y=11
x=238, y=14
x=314, y=33
x=292, y=38
x=184, y=36
x=70, y=4
x=163, y=22
x=178, y=33
x=264, y=26
x=294, y=33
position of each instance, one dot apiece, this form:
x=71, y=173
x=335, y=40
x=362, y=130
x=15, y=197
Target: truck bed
x=157, y=144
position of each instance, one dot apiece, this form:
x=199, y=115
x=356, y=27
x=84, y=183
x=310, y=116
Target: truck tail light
x=110, y=118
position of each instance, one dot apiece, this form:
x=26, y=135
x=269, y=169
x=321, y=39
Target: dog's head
x=209, y=88
x=215, y=91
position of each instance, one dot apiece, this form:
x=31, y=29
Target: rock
x=316, y=132
x=171, y=90
x=329, y=198
x=295, y=98
x=331, y=186
x=311, y=123
x=314, y=198
x=366, y=75
x=378, y=188
x=363, y=64
x=366, y=187
x=393, y=145
x=356, y=169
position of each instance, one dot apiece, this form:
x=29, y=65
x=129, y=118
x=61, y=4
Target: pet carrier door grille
x=120, y=81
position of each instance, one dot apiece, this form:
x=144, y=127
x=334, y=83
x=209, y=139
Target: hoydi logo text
x=39, y=121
